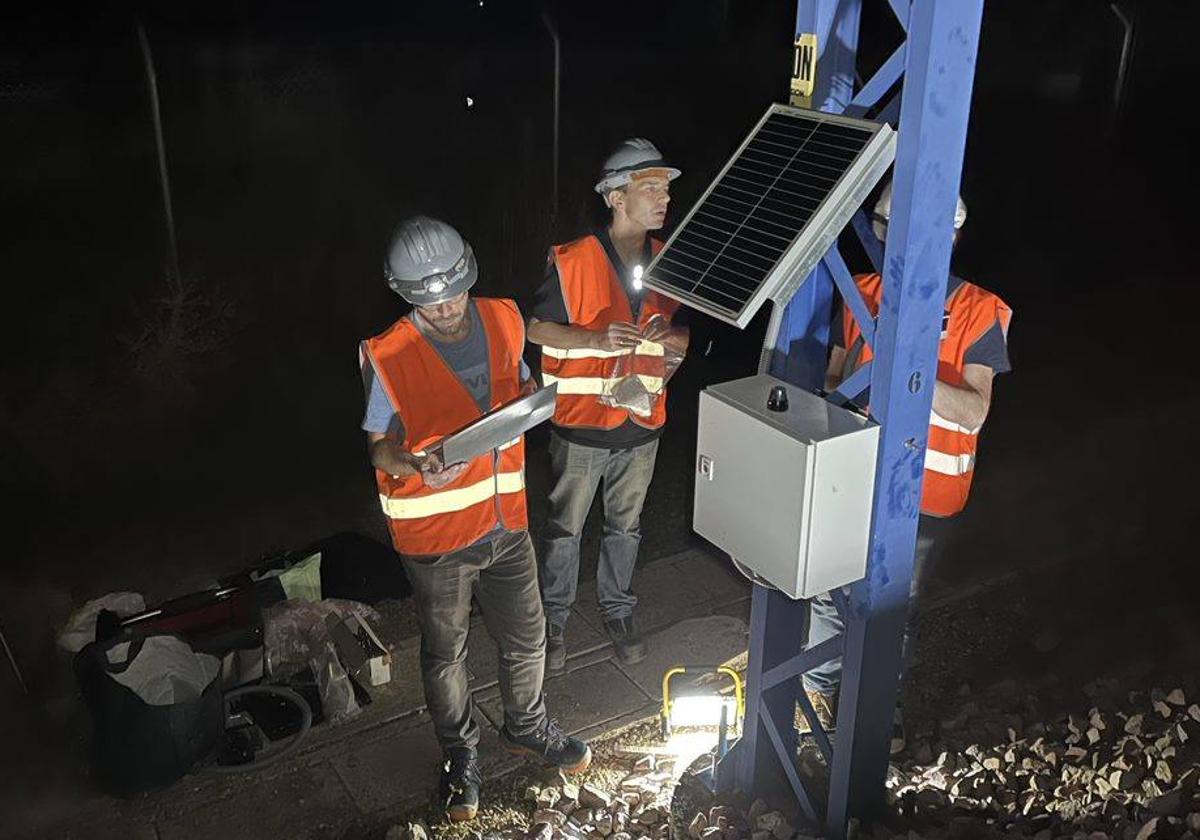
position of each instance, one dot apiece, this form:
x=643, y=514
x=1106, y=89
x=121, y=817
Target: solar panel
x=772, y=212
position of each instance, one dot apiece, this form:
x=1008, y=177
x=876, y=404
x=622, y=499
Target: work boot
x=459, y=786
x=551, y=745
x=556, y=649
x=630, y=647
x=823, y=704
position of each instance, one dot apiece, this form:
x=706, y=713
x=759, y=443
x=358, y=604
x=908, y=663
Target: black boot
x=556, y=649
x=459, y=786
x=553, y=746
x=630, y=647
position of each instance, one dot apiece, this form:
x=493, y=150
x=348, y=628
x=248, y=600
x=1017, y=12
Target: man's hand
x=656, y=329
x=619, y=336
x=435, y=475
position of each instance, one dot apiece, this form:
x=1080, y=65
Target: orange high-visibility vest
x=594, y=299
x=950, y=455
x=433, y=402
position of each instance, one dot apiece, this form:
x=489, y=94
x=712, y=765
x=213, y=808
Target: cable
x=752, y=576
x=285, y=694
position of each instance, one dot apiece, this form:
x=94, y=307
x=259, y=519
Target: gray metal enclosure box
x=786, y=493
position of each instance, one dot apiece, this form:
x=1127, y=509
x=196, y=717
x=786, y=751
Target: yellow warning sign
x=804, y=68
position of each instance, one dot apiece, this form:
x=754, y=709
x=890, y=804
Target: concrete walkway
x=352, y=780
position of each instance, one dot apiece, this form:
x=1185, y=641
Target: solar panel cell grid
x=738, y=233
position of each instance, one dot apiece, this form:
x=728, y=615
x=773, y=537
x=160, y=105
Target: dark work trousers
x=502, y=574
x=578, y=471
x=825, y=622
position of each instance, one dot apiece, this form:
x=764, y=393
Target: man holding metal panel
x=461, y=529
x=609, y=344
x=972, y=350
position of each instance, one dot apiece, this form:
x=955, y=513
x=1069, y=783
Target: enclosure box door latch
x=804, y=70
x=706, y=467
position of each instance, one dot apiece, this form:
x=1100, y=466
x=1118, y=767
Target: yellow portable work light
x=702, y=708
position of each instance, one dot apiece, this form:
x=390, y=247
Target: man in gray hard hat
x=460, y=529
x=591, y=311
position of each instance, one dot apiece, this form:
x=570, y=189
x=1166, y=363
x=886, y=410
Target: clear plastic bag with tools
x=641, y=374
x=296, y=636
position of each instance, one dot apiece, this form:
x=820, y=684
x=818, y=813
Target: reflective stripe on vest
x=951, y=463
x=643, y=348
x=947, y=464
x=450, y=501
x=596, y=384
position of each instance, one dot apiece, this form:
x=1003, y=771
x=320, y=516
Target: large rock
x=555, y=819
x=591, y=796
x=770, y=821
x=540, y=831
x=650, y=816
x=408, y=831
x=412, y=831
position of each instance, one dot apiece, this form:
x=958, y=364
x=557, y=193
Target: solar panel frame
x=753, y=263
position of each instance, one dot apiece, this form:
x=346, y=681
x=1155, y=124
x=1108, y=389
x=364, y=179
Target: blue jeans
x=577, y=472
x=824, y=621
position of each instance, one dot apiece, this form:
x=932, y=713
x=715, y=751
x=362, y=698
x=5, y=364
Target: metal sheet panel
x=499, y=426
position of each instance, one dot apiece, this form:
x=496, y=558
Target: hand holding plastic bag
x=642, y=374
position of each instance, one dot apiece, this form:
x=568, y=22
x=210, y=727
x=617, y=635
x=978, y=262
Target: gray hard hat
x=428, y=262
x=634, y=155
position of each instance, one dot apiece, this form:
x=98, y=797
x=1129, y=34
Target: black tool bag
x=226, y=622
x=156, y=709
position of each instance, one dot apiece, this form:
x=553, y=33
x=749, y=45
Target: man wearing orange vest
x=590, y=316
x=460, y=529
x=973, y=349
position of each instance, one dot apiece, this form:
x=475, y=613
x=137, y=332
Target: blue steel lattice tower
x=937, y=64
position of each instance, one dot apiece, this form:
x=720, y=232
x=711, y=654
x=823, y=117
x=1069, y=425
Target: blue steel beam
x=851, y=295
x=891, y=111
x=866, y=235
x=803, y=340
x=901, y=9
x=799, y=356
x=822, y=653
x=784, y=750
x=776, y=635
x=879, y=84
x=943, y=37
x=853, y=385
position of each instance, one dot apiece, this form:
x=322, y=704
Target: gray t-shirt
x=468, y=359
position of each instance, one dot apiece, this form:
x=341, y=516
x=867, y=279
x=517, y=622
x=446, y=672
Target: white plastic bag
x=81, y=626
x=165, y=670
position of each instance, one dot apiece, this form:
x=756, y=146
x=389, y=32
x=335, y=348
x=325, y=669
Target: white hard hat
x=634, y=155
x=883, y=212
x=428, y=262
